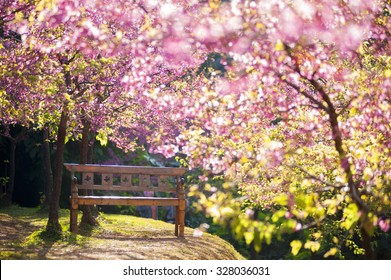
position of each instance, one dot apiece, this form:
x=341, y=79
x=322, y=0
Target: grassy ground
x=22, y=236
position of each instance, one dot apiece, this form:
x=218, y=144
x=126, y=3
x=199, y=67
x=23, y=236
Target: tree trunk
x=90, y=156
x=94, y=209
x=87, y=217
x=346, y=167
x=48, y=169
x=53, y=223
x=366, y=242
x=6, y=200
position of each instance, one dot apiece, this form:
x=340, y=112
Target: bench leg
x=73, y=217
x=181, y=218
x=73, y=222
x=176, y=220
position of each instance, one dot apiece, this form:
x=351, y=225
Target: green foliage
x=102, y=137
x=306, y=231
x=4, y=181
x=44, y=236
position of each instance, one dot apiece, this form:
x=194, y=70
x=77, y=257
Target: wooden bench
x=113, y=178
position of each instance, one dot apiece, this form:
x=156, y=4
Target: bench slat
x=163, y=182
x=145, y=181
x=88, y=179
x=123, y=200
x=126, y=188
x=124, y=169
x=107, y=179
x=126, y=180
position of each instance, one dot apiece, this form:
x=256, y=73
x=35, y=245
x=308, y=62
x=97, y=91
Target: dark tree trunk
x=94, y=209
x=366, y=242
x=53, y=223
x=84, y=143
x=6, y=200
x=346, y=166
x=91, y=148
x=47, y=169
x=87, y=217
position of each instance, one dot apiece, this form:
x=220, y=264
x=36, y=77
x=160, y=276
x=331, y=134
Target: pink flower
x=384, y=225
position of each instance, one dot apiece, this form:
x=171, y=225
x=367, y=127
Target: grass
x=23, y=236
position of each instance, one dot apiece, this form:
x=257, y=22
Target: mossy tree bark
x=54, y=206
x=53, y=223
x=88, y=217
x=47, y=168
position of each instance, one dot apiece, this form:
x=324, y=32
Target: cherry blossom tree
x=19, y=72
x=300, y=120
x=297, y=114
x=101, y=57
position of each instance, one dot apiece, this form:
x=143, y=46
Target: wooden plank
x=163, y=182
x=126, y=180
x=145, y=181
x=124, y=188
x=123, y=200
x=107, y=179
x=88, y=179
x=124, y=169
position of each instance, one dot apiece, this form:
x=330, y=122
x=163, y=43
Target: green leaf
x=296, y=246
x=19, y=17
x=351, y=215
x=281, y=200
x=257, y=241
x=277, y=215
x=102, y=138
x=331, y=252
x=249, y=237
x=269, y=234
x=279, y=46
x=312, y=245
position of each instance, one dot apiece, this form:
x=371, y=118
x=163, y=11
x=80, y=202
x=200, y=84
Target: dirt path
x=13, y=233
x=118, y=238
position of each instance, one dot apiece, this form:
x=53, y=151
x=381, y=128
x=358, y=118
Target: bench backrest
x=126, y=178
